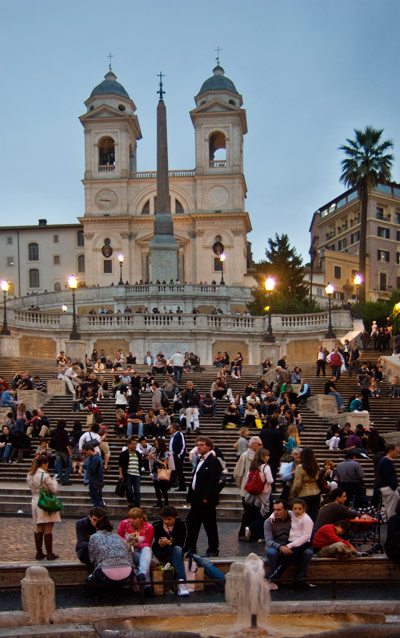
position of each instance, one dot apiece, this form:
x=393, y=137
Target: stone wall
x=231, y=346
x=302, y=350
x=111, y=346
x=37, y=347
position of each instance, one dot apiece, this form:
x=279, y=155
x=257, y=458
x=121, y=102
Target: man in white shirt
x=177, y=361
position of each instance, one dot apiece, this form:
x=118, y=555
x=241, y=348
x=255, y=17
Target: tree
x=367, y=164
x=286, y=267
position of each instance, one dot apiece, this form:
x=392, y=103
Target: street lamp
x=121, y=261
x=329, y=291
x=64, y=307
x=222, y=258
x=73, y=284
x=357, y=281
x=269, y=286
x=4, y=287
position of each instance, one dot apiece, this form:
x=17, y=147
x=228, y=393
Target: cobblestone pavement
x=17, y=542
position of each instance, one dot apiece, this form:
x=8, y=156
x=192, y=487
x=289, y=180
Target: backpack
x=254, y=484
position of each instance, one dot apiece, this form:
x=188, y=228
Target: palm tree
x=366, y=165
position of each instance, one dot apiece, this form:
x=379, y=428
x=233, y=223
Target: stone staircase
x=15, y=496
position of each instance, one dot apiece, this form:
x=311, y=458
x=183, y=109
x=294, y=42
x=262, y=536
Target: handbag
x=163, y=474
x=120, y=488
x=323, y=484
x=48, y=501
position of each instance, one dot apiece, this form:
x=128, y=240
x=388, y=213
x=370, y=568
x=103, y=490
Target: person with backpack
x=258, y=487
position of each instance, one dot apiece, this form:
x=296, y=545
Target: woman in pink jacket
x=139, y=535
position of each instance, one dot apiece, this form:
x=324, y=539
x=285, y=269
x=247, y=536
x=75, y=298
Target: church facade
x=207, y=202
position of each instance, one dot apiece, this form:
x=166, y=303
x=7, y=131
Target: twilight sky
x=309, y=71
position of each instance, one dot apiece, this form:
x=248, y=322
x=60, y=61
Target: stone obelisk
x=163, y=246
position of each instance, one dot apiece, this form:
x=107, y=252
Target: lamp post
x=73, y=284
x=222, y=258
x=357, y=281
x=64, y=307
x=121, y=261
x=4, y=287
x=269, y=286
x=329, y=291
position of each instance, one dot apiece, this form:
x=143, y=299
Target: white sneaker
x=247, y=533
x=182, y=589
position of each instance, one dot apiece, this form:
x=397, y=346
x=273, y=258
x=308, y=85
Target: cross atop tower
x=218, y=49
x=161, y=90
x=109, y=64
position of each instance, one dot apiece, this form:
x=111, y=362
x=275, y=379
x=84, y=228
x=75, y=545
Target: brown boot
x=39, y=543
x=48, y=543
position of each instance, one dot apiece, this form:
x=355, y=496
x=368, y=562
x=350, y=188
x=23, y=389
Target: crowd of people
x=154, y=443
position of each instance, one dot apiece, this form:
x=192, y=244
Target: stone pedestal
x=270, y=351
x=38, y=595
x=33, y=399
x=9, y=346
x=323, y=405
x=76, y=350
x=354, y=418
x=56, y=387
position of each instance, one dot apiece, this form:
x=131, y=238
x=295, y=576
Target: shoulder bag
x=48, y=501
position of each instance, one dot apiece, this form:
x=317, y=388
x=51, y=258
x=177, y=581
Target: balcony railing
x=153, y=174
x=217, y=164
x=106, y=168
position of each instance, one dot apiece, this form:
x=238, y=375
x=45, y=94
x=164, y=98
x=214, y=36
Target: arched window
x=178, y=207
x=106, y=152
x=33, y=252
x=34, y=279
x=217, y=150
x=80, y=238
x=57, y=286
x=146, y=208
x=81, y=263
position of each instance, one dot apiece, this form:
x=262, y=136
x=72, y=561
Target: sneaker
x=182, y=589
x=247, y=533
x=141, y=578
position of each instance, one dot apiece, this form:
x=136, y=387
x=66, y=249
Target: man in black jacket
x=129, y=465
x=177, y=448
x=85, y=527
x=203, y=498
x=191, y=403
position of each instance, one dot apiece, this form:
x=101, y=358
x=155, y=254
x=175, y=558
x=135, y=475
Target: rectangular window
x=398, y=235
x=319, y=291
x=382, y=281
x=10, y=261
x=384, y=255
x=383, y=233
x=56, y=260
x=379, y=212
x=355, y=237
x=107, y=266
x=337, y=272
x=397, y=217
x=9, y=241
x=397, y=282
x=217, y=264
x=331, y=247
x=55, y=239
x=397, y=258
x=81, y=263
x=342, y=244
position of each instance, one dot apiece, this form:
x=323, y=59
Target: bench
x=70, y=573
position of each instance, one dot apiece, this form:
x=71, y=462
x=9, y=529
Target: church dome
x=109, y=86
x=218, y=82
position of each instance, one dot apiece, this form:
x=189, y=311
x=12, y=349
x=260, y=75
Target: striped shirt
x=133, y=465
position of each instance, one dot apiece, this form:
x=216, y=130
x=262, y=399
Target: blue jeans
x=338, y=398
x=142, y=557
x=303, y=554
x=63, y=465
x=5, y=452
x=209, y=568
x=95, y=492
x=177, y=562
x=129, y=429
x=133, y=489
x=178, y=373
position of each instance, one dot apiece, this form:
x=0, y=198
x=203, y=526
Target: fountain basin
x=279, y=626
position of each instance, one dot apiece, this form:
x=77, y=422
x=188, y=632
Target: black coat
x=123, y=462
x=207, y=482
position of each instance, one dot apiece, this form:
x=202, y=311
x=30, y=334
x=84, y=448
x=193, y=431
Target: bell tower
x=220, y=125
x=111, y=134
